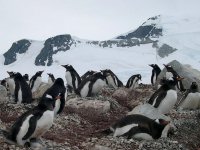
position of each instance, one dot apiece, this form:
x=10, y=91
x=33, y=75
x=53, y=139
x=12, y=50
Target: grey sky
x=86, y=19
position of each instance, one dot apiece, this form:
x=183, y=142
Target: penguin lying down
x=31, y=125
x=139, y=127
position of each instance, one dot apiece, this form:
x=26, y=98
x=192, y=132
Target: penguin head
x=11, y=74
x=169, y=68
x=162, y=122
x=138, y=76
x=47, y=102
x=39, y=73
x=194, y=86
x=26, y=77
x=152, y=65
x=59, y=81
x=68, y=67
x=18, y=76
x=106, y=72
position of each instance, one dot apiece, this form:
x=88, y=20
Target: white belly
x=84, y=91
x=154, y=79
x=168, y=102
x=19, y=96
x=43, y=124
x=57, y=107
x=169, y=75
x=37, y=83
x=111, y=82
x=123, y=130
x=191, y=101
x=97, y=86
x=68, y=78
x=50, y=82
x=134, y=84
x=11, y=84
x=23, y=130
x=143, y=136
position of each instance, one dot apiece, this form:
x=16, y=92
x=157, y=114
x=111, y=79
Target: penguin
x=139, y=127
x=57, y=90
x=11, y=83
x=23, y=92
x=112, y=79
x=91, y=85
x=72, y=77
x=5, y=84
x=87, y=74
x=26, y=77
x=36, y=81
x=132, y=82
x=31, y=125
x=165, y=97
x=172, y=73
x=191, y=98
x=51, y=78
x=155, y=72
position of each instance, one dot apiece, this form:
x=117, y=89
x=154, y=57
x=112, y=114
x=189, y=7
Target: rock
x=100, y=147
x=40, y=91
x=3, y=93
x=83, y=105
x=185, y=71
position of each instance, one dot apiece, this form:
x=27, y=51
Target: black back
x=131, y=79
x=26, y=91
x=57, y=89
x=34, y=77
x=155, y=72
x=87, y=74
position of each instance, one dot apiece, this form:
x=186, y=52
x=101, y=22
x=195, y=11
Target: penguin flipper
x=153, y=97
x=32, y=127
x=62, y=105
x=161, y=96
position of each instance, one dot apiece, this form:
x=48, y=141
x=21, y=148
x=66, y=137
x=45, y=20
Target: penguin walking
x=26, y=77
x=87, y=74
x=72, y=77
x=31, y=125
x=51, y=79
x=11, y=83
x=91, y=85
x=23, y=92
x=165, y=97
x=132, y=82
x=139, y=127
x=155, y=72
x=57, y=91
x=191, y=98
x=36, y=81
x=172, y=73
x=113, y=80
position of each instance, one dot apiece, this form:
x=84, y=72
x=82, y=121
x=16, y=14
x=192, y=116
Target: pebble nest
x=82, y=131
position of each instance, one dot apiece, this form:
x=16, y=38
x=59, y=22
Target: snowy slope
x=180, y=33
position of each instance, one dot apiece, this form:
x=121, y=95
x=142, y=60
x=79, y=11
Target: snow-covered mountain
x=158, y=40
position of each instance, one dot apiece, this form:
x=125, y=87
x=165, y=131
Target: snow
x=180, y=33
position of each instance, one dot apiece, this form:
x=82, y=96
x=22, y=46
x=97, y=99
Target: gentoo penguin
x=57, y=90
x=36, y=81
x=5, y=84
x=155, y=72
x=11, y=82
x=23, y=92
x=87, y=74
x=91, y=85
x=132, y=82
x=32, y=124
x=112, y=79
x=72, y=77
x=26, y=77
x=191, y=98
x=139, y=127
x=172, y=73
x=51, y=78
x=165, y=97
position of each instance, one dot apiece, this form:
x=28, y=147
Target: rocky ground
x=74, y=130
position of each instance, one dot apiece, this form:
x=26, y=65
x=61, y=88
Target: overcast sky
x=86, y=19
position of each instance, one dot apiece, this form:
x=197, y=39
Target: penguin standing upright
x=191, y=98
x=91, y=85
x=31, y=125
x=11, y=83
x=23, y=92
x=172, y=73
x=112, y=79
x=132, y=82
x=139, y=127
x=36, y=81
x=87, y=74
x=165, y=97
x=57, y=91
x=155, y=72
x=72, y=77
x=51, y=78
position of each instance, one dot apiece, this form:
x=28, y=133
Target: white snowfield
x=180, y=33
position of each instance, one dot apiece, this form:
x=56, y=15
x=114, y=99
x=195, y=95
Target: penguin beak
x=150, y=65
x=63, y=66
